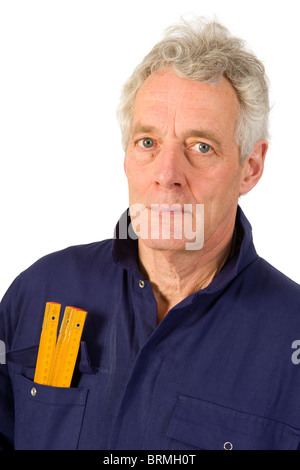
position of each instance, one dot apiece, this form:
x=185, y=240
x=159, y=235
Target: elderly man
x=191, y=338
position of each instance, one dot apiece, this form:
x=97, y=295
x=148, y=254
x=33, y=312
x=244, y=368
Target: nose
x=169, y=167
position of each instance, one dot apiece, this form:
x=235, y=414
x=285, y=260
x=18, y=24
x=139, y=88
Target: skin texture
x=182, y=150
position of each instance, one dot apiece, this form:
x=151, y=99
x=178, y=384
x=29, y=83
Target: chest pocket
x=197, y=424
x=47, y=417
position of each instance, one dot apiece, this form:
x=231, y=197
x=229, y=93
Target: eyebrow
x=199, y=133
x=140, y=129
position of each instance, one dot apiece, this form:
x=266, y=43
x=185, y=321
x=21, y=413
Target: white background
x=62, y=65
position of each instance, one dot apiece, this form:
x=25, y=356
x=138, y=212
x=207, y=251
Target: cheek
x=217, y=190
x=136, y=179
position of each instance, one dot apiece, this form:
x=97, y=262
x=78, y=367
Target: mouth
x=164, y=208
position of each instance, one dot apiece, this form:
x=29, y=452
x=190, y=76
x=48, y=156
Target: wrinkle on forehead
x=172, y=103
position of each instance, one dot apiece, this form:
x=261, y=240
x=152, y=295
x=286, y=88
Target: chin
x=164, y=245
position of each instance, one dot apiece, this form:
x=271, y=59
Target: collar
x=125, y=250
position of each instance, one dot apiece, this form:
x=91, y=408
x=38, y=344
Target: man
x=190, y=340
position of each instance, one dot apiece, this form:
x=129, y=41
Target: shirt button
x=141, y=284
x=228, y=446
x=33, y=391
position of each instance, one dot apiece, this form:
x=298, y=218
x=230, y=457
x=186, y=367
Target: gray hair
x=205, y=51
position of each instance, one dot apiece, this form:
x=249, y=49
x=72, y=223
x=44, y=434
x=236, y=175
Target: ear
x=125, y=164
x=253, y=167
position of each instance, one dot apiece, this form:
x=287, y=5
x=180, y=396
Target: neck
x=174, y=275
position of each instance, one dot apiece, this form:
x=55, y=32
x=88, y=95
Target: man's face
x=182, y=150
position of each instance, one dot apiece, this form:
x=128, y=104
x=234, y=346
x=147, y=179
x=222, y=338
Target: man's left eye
x=201, y=147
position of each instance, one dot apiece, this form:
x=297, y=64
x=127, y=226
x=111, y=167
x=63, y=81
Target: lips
x=175, y=208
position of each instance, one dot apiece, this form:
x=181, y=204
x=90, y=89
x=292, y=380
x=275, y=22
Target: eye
x=201, y=147
x=146, y=143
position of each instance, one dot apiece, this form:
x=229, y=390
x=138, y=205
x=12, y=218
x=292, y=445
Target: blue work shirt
x=219, y=371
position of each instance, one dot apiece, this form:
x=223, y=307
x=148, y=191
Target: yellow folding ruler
x=56, y=358
x=67, y=347
x=47, y=343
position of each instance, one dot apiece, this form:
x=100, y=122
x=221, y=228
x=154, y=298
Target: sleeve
x=6, y=410
x=6, y=392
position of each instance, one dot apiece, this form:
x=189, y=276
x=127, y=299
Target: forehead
x=165, y=96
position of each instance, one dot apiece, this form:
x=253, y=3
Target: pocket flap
x=210, y=426
x=50, y=395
